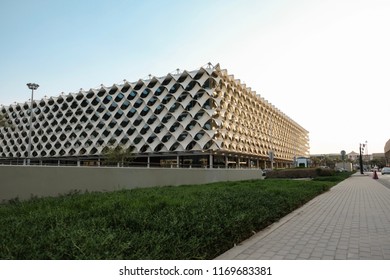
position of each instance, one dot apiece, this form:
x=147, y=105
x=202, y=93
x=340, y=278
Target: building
x=347, y=166
x=387, y=152
x=302, y=162
x=353, y=156
x=200, y=118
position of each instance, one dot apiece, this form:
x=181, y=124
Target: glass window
x=119, y=97
x=131, y=113
x=132, y=95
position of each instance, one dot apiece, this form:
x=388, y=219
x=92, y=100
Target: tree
x=379, y=162
x=118, y=154
x=315, y=161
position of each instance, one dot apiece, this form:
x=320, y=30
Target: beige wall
x=387, y=152
x=25, y=181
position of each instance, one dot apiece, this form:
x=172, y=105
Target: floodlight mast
x=33, y=87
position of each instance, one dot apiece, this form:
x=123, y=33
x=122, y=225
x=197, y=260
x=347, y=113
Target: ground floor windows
x=163, y=160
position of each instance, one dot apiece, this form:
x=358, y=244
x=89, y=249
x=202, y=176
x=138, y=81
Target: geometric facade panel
x=192, y=111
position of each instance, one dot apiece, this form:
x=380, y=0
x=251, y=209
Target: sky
x=324, y=63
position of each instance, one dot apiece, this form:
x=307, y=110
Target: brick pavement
x=351, y=221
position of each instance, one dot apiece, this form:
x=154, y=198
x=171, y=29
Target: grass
x=185, y=222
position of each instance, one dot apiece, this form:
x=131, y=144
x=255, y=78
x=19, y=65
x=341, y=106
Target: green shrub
x=292, y=173
x=325, y=172
x=335, y=177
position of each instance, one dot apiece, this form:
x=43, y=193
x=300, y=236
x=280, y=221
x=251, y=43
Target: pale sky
x=325, y=64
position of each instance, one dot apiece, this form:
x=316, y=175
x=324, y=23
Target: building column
x=177, y=161
x=211, y=160
x=226, y=162
x=148, y=164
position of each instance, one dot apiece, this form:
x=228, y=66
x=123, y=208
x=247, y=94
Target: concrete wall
x=26, y=181
x=345, y=165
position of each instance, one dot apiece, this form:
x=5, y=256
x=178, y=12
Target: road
x=383, y=179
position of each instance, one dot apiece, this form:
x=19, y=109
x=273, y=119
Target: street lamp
x=361, y=148
x=33, y=87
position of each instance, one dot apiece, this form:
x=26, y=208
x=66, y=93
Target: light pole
x=361, y=147
x=33, y=87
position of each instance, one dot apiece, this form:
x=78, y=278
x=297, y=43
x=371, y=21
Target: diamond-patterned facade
x=187, y=112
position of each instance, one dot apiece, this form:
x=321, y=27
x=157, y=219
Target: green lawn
x=185, y=222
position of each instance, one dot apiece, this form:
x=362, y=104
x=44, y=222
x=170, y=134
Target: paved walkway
x=351, y=221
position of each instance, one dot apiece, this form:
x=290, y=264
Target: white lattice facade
x=199, y=112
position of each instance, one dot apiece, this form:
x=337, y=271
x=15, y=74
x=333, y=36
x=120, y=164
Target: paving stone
x=290, y=257
x=269, y=254
x=364, y=256
x=342, y=246
x=295, y=251
x=351, y=221
x=329, y=252
x=352, y=256
x=278, y=257
x=242, y=256
x=317, y=254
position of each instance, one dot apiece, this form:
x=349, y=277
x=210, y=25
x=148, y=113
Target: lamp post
x=33, y=87
x=361, y=147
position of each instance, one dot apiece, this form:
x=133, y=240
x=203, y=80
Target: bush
x=293, y=173
x=325, y=172
x=335, y=177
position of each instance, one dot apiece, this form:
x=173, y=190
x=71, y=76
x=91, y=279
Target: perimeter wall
x=23, y=182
